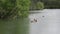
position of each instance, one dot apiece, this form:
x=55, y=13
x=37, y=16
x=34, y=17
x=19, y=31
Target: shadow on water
x=34, y=12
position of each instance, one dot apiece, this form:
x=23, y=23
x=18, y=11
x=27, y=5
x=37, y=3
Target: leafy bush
x=39, y=5
x=36, y=6
x=13, y=8
x=23, y=7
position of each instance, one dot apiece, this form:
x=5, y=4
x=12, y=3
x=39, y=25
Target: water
x=48, y=22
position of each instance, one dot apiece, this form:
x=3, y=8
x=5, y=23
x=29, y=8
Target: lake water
x=48, y=22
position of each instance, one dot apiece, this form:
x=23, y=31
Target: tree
x=13, y=8
x=36, y=4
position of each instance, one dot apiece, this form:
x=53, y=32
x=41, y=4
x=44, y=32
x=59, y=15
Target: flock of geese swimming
x=35, y=20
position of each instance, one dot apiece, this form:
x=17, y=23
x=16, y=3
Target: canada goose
x=35, y=20
x=31, y=21
x=43, y=16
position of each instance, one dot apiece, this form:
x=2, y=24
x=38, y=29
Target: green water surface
x=17, y=26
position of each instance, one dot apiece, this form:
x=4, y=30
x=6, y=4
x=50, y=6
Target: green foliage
x=39, y=5
x=14, y=8
x=51, y=3
x=48, y=3
x=23, y=7
x=36, y=5
x=7, y=9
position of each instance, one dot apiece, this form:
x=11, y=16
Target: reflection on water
x=48, y=22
